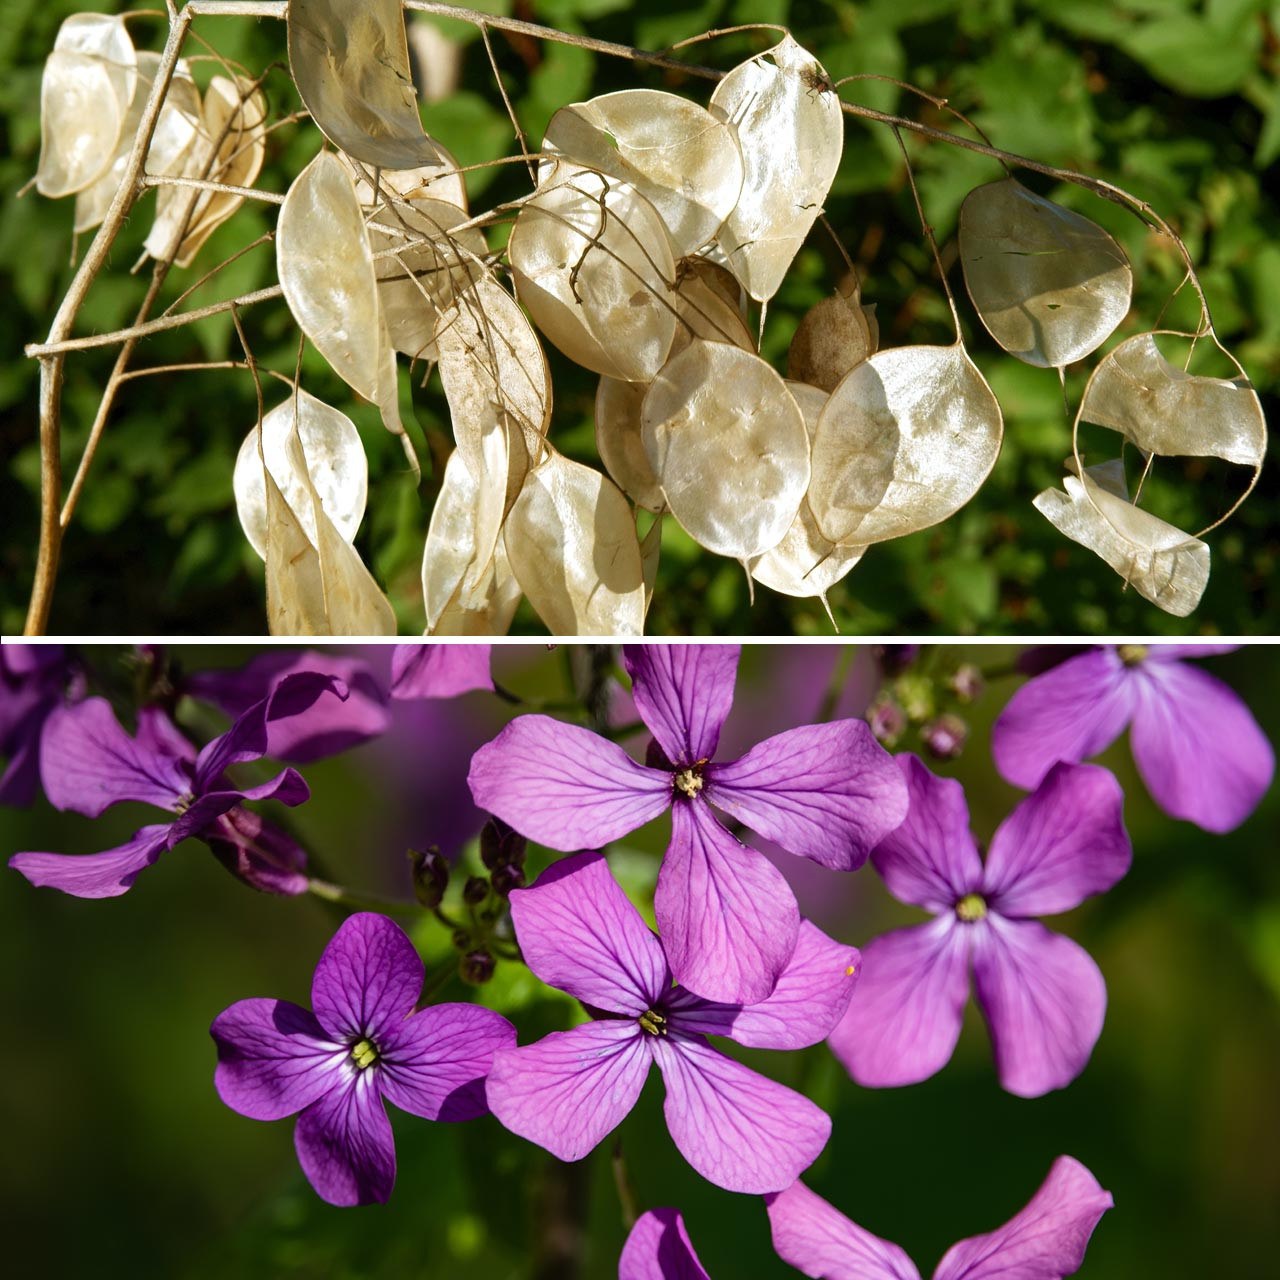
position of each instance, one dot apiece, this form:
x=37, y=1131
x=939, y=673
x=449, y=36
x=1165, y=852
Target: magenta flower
x=363, y=1043
x=1045, y=1241
x=33, y=683
x=88, y=763
x=728, y=918
x=1196, y=745
x=1041, y=994
x=439, y=670
x=577, y=931
x=659, y=1248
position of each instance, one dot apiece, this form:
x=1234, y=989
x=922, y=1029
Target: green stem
x=621, y=1180
x=359, y=901
x=835, y=686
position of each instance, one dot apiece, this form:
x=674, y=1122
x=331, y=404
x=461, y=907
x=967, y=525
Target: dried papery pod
x=1049, y=285
x=791, y=131
x=706, y=313
x=88, y=85
x=489, y=608
x=571, y=539
x=336, y=469
x=350, y=61
x=906, y=440
x=833, y=336
x=683, y=160
x=436, y=181
x=593, y=265
x=1161, y=562
x=327, y=274
x=727, y=443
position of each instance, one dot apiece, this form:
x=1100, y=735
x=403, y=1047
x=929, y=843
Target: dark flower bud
x=896, y=658
x=476, y=967
x=430, y=871
x=966, y=682
x=501, y=846
x=461, y=939
x=944, y=738
x=504, y=879
x=475, y=891
x=888, y=721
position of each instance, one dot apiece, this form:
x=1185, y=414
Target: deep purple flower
x=728, y=918
x=1042, y=995
x=439, y=670
x=1045, y=1241
x=88, y=763
x=659, y=1248
x=363, y=1043
x=577, y=931
x=33, y=679
x=1196, y=745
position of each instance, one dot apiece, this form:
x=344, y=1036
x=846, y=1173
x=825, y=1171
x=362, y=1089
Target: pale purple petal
x=1071, y=712
x=811, y=997
x=565, y=786
x=571, y=1088
x=904, y=1019
x=578, y=931
x=659, y=1248
x=739, y=1129
x=727, y=917
x=829, y=792
x=345, y=1146
x=1064, y=842
x=434, y=1063
x=818, y=1240
x=439, y=670
x=258, y=852
x=95, y=875
x=1172, y=652
x=288, y=787
x=931, y=860
x=683, y=693
x=1046, y=1241
x=368, y=979
x=1044, y=1000
x=1198, y=747
x=274, y=1058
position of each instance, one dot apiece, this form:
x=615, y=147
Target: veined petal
x=565, y=786
x=368, y=979
x=433, y=1064
x=439, y=670
x=904, y=1019
x=818, y=1240
x=829, y=792
x=158, y=734
x=571, y=1088
x=1044, y=1000
x=811, y=996
x=1064, y=842
x=683, y=692
x=274, y=1058
x=578, y=931
x=739, y=1129
x=1046, y=1241
x=287, y=787
x=1071, y=712
x=95, y=875
x=344, y=1144
x=659, y=1248
x=726, y=915
x=260, y=854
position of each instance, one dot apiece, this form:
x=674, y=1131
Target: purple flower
x=1196, y=745
x=363, y=1043
x=1042, y=995
x=728, y=918
x=88, y=763
x=659, y=1248
x=33, y=678
x=1045, y=1241
x=740, y=1130
x=439, y=670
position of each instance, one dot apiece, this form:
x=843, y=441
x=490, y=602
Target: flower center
x=973, y=906
x=653, y=1022
x=1132, y=654
x=689, y=780
x=183, y=803
x=365, y=1054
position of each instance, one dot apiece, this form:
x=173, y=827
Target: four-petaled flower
x=578, y=931
x=727, y=916
x=363, y=1042
x=658, y=1248
x=1042, y=994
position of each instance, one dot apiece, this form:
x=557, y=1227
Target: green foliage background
x=1176, y=100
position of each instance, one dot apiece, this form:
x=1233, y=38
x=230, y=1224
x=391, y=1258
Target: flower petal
x=95, y=875
x=578, y=931
x=829, y=792
x=739, y=1129
x=1071, y=712
x=439, y=670
x=258, y=853
x=1044, y=1000
x=812, y=995
x=274, y=1058
x=726, y=915
x=368, y=979
x=904, y=1019
x=565, y=786
x=818, y=1240
x=1064, y=842
x=659, y=1248
x=1172, y=652
x=288, y=787
x=571, y=1088
x=345, y=1146
x=1198, y=747
x=1046, y=1241
x=930, y=860
x=683, y=693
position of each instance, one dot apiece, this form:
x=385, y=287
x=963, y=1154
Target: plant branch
x=204, y=184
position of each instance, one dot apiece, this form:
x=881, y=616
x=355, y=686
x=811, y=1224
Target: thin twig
x=201, y=184
x=928, y=232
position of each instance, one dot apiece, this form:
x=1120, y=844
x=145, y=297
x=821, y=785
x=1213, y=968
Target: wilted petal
x=659, y=1248
x=257, y=852
x=345, y=1146
x=683, y=693
x=439, y=670
x=368, y=979
x=95, y=875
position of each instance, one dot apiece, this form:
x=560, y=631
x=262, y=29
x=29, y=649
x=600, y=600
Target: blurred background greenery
x=1176, y=100
x=121, y=1161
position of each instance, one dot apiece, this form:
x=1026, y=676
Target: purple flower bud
x=430, y=870
x=504, y=879
x=888, y=720
x=966, y=682
x=476, y=968
x=945, y=737
x=475, y=891
x=896, y=658
x=500, y=846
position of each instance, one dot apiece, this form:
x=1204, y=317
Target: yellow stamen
x=972, y=906
x=1132, y=654
x=364, y=1054
x=689, y=781
x=653, y=1022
